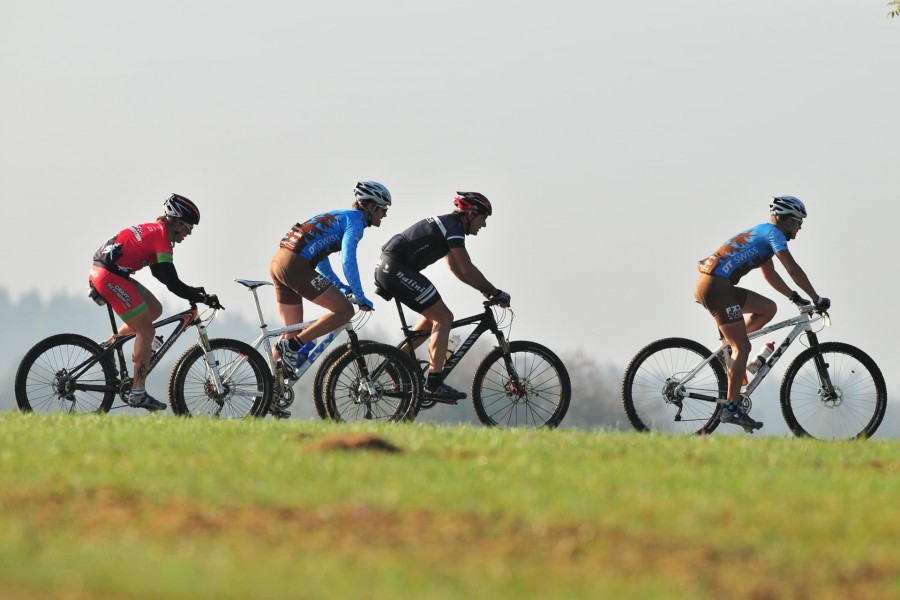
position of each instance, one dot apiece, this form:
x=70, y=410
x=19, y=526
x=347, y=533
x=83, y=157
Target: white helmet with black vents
x=787, y=206
x=372, y=191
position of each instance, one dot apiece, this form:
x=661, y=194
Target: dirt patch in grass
x=354, y=442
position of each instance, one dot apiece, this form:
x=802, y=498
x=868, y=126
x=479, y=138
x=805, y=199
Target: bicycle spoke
x=535, y=393
x=852, y=406
x=656, y=396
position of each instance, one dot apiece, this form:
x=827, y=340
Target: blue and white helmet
x=372, y=191
x=787, y=206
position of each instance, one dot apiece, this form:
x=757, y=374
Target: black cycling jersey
x=427, y=241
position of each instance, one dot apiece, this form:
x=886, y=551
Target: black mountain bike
x=518, y=384
x=71, y=373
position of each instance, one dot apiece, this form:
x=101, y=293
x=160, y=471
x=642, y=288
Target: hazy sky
x=620, y=142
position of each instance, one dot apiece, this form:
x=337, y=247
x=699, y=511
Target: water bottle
x=303, y=354
x=761, y=358
x=452, y=345
x=156, y=344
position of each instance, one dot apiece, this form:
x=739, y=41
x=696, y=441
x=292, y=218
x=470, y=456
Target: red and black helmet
x=182, y=208
x=473, y=202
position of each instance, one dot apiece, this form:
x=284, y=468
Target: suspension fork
x=361, y=362
x=821, y=366
x=212, y=366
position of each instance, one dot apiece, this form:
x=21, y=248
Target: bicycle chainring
x=285, y=398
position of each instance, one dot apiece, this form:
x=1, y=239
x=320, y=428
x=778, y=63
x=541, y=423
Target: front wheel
x=658, y=397
x=835, y=391
x=246, y=382
x=531, y=390
x=379, y=383
x=322, y=373
x=63, y=374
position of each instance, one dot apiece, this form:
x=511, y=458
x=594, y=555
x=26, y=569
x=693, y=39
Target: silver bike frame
x=801, y=323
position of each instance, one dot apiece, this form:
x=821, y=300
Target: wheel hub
x=834, y=399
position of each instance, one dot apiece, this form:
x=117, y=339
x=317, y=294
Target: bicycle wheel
x=58, y=375
x=536, y=394
x=322, y=373
x=245, y=377
x=656, y=397
x=856, y=407
x=394, y=385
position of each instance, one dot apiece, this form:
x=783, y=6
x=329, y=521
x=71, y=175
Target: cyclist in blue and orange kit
x=301, y=268
x=717, y=290
x=148, y=244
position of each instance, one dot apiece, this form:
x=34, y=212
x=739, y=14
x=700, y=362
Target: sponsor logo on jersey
x=120, y=294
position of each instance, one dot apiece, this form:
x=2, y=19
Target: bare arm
x=461, y=265
x=795, y=272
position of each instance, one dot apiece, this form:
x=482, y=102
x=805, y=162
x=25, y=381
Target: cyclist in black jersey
x=397, y=273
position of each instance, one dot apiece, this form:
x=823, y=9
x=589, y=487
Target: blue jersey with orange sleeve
x=325, y=234
x=744, y=252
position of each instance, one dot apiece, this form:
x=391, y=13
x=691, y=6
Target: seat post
x=402, y=316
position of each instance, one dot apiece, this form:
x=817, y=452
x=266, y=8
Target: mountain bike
x=831, y=390
x=518, y=384
x=71, y=373
x=371, y=381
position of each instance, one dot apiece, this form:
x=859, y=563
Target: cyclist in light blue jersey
x=739, y=311
x=301, y=267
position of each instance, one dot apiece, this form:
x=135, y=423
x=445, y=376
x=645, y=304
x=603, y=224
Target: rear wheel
x=246, y=381
x=533, y=391
x=657, y=398
x=378, y=384
x=851, y=407
x=63, y=374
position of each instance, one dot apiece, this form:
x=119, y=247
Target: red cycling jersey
x=135, y=248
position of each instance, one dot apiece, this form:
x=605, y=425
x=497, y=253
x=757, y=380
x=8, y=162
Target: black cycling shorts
x=408, y=285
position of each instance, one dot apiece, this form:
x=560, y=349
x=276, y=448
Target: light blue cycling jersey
x=325, y=234
x=745, y=252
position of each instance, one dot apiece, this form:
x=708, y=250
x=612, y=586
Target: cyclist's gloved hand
x=500, y=297
x=364, y=303
x=822, y=304
x=798, y=299
x=345, y=290
x=212, y=301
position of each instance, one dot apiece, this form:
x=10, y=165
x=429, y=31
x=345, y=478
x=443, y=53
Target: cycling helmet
x=372, y=191
x=473, y=202
x=182, y=208
x=787, y=206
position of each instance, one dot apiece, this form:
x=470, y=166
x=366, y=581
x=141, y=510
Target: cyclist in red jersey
x=148, y=244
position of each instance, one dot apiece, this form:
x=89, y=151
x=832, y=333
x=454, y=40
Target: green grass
x=156, y=507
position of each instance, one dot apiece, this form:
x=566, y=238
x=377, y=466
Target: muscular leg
x=142, y=326
x=736, y=336
x=341, y=311
x=758, y=311
x=441, y=320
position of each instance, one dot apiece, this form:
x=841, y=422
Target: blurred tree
x=895, y=8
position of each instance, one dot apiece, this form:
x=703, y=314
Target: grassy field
x=156, y=507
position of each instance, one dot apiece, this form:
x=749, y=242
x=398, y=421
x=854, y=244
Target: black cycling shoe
x=740, y=418
x=445, y=392
x=147, y=402
x=279, y=413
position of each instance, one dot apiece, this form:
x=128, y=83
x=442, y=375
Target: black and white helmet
x=180, y=207
x=372, y=191
x=787, y=206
